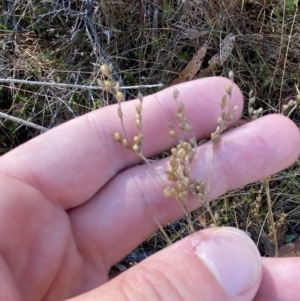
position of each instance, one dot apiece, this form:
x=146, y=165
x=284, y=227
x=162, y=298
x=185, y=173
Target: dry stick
x=23, y=122
x=63, y=85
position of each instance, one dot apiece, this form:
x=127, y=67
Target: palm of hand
x=40, y=255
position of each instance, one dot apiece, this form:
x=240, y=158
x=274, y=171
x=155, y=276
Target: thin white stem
x=23, y=122
x=63, y=85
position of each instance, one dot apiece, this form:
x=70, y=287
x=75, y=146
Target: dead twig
x=63, y=85
x=23, y=122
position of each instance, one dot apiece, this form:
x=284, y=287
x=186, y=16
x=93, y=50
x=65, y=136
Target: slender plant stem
x=63, y=85
x=23, y=122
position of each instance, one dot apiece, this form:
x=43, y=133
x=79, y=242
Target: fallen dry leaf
x=192, y=67
x=226, y=48
x=220, y=58
x=290, y=250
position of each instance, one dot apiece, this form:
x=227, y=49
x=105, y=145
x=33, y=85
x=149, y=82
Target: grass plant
x=95, y=51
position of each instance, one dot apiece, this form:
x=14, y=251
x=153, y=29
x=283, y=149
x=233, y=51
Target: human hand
x=74, y=203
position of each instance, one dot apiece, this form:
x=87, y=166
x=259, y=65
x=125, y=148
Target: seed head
x=168, y=192
x=140, y=97
x=187, y=127
x=228, y=90
x=179, y=117
x=119, y=96
x=223, y=102
x=174, y=151
x=181, y=154
x=176, y=94
x=138, y=122
x=137, y=139
x=125, y=143
x=117, y=88
x=117, y=136
x=172, y=133
x=107, y=86
x=105, y=70
x=136, y=148
x=251, y=101
x=99, y=82
x=180, y=108
x=231, y=75
x=291, y=103
x=139, y=108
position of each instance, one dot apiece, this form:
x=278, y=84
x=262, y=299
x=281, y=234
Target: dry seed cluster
x=278, y=225
x=254, y=114
x=179, y=172
x=292, y=103
x=180, y=164
x=257, y=204
x=281, y=220
x=137, y=140
x=224, y=116
x=113, y=87
x=181, y=157
x=183, y=154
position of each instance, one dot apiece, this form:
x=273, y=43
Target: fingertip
x=289, y=131
x=234, y=260
x=214, y=264
x=282, y=137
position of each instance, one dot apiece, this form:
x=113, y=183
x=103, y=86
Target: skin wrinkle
x=67, y=246
x=54, y=282
x=90, y=247
x=158, y=281
x=19, y=215
x=184, y=281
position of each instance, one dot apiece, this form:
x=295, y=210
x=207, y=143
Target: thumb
x=214, y=264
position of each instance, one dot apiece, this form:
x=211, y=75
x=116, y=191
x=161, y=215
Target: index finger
x=70, y=163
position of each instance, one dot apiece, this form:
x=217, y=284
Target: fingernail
x=233, y=259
